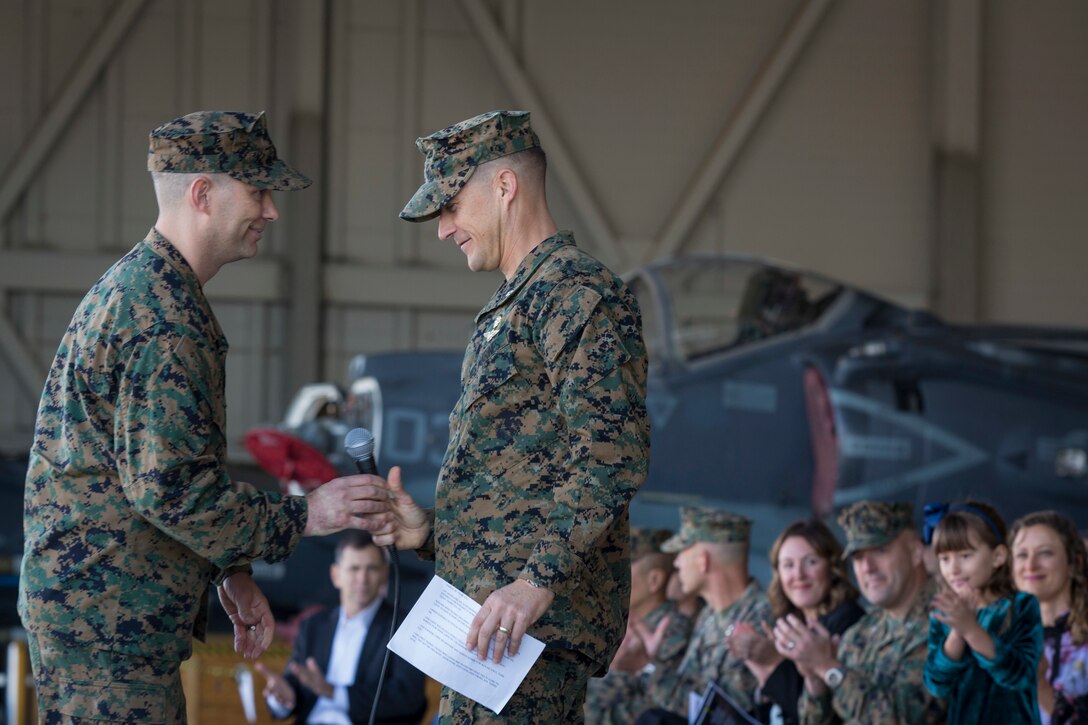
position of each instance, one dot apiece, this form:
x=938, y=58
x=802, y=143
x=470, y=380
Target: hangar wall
x=930, y=151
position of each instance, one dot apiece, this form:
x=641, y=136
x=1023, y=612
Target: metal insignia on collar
x=493, y=330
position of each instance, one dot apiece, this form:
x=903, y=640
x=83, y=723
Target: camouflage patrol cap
x=222, y=142
x=874, y=523
x=705, y=524
x=647, y=541
x=452, y=154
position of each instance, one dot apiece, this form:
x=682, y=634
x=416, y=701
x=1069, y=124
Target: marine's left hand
x=250, y=614
x=514, y=608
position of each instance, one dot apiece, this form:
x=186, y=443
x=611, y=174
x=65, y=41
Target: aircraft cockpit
x=699, y=306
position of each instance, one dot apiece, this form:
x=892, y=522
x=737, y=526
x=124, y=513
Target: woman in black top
x=810, y=582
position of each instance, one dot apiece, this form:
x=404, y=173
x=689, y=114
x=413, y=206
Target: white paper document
x=432, y=639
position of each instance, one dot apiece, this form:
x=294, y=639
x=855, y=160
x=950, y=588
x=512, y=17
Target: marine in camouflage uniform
x=549, y=440
x=882, y=657
x=708, y=658
x=129, y=511
x=620, y=696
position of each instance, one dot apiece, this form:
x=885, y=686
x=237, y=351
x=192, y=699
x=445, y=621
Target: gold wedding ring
x=503, y=629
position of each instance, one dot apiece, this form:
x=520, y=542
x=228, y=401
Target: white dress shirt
x=347, y=644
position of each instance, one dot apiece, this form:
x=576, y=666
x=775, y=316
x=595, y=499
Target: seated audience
x=1048, y=560
x=875, y=673
x=712, y=559
x=809, y=585
x=985, y=638
x=619, y=696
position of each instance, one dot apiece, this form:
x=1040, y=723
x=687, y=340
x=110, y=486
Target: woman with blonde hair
x=1048, y=560
x=810, y=584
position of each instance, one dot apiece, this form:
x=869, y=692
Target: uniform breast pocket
x=494, y=368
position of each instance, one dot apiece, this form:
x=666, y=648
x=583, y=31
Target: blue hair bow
x=931, y=516
x=934, y=512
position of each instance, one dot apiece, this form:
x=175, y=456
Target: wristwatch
x=833, y=677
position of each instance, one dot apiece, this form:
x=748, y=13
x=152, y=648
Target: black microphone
x=359, y=444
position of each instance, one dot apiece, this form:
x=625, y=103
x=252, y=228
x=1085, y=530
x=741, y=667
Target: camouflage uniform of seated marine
x=129, y=511
x=707, y=658
x=549, y=440
x=619, y=697
x=882, y=656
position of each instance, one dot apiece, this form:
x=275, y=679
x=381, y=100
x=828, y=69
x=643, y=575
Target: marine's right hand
x=409, y=526
x=351, y=502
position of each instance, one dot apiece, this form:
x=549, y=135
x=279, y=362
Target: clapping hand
x=757, y=650
x=277, y=687
x=958, y=611
x=812, y=648
x=651, y=639
x=631, y=656
x=312, y=678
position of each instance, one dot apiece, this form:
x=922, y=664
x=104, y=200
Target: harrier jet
x=783, y=394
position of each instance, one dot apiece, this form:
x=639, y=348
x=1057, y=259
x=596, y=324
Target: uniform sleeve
x=708, y=660
x=813, y=710
x=941, y=672
x=618, y=697
x=894, y=692
x=171, y=453
x=601, y=387
x=1017, y=649
x=671, y=691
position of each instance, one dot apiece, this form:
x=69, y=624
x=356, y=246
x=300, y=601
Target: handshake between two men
x=383, y=508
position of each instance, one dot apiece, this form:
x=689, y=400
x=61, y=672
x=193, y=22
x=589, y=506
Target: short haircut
x=656, y=560
x=531, y=165
x=354, y=539
x=170, y=188
x=727, y=552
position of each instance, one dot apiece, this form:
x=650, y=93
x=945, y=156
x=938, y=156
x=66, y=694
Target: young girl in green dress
x=985, y=638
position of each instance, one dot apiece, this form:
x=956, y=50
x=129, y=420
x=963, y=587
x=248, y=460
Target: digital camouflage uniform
x=707, y=658
x=883, y=660
x=620, y=696
x=129, y=512
x=549, y=441
x=883, y=657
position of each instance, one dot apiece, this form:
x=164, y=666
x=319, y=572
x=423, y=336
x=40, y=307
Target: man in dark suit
x=334, y=668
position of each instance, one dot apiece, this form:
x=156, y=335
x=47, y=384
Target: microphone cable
x=394, y=567
x=359, y=444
